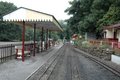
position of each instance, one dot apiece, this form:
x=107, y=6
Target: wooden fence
x=113, y=44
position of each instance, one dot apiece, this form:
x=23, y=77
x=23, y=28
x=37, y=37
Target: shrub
x=85, y=44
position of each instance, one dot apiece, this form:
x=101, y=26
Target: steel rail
x=53, y=65
x=48, y=63
x=111, y=69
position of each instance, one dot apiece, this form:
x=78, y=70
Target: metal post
x=1, y=54
x=11, y=51
x=23, y=40
x=46, y=39
x=5, y=53
x=42, y=40
x=34, y=39
x=49, y=38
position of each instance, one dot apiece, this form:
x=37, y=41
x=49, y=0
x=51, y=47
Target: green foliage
x=91, y=15
x=54, y=36
x=105, y=46
x=66, y=31
x=6, y=8
x=79, y=9
x=111, y=17
x=8, y=31
x=29, y=34
x=85, y=44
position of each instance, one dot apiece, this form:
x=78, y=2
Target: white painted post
x=112, y=45
x=86, y=36
x=101, y=42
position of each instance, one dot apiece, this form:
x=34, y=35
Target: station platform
x=18, y=70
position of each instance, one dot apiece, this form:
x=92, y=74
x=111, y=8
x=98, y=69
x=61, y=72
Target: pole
x=46, y=39
x=49, y=38
x=42, y=40
x=23, y=40
x=34, y=38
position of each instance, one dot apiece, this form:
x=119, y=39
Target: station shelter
x=37, y=20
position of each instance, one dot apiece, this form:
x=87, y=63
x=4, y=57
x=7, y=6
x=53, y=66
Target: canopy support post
x=46, y=39
x=49, y=39
x=23, y=40
x=42, y=40
x=34, y=38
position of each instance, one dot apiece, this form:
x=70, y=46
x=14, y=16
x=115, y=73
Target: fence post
x=11, y=51
x=101, y=42
x=5, y=53
x=112, y=45
x=1, y=55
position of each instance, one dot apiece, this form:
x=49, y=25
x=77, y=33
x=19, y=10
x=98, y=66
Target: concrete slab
x=115, y=59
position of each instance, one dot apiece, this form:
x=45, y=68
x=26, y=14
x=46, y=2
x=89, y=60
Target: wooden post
x=42, y=40
x=23, y=40
x=46, y=39
x=34, y=38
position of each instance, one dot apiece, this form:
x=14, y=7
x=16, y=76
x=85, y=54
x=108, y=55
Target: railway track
x=69, y=64
x=75, y=68
x=55, y=63
x=111, y=69
x=45, y=70
x=66, y=68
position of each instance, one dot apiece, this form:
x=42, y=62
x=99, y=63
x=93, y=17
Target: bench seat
x=25, y=52
x=19, y=52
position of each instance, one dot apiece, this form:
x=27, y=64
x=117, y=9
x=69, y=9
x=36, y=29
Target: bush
x=104, y=46
x=85, y=44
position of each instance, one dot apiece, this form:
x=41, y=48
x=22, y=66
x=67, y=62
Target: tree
x=6, y=8
x=8, y=31
x=111, y=17
x=66, y=30
x=86, y=14
x=79, y=10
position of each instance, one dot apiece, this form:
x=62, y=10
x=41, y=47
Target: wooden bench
x=18, y=50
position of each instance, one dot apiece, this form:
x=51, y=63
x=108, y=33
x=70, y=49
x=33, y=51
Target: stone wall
x=102, y=53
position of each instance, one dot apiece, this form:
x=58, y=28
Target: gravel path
x=72, y=65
